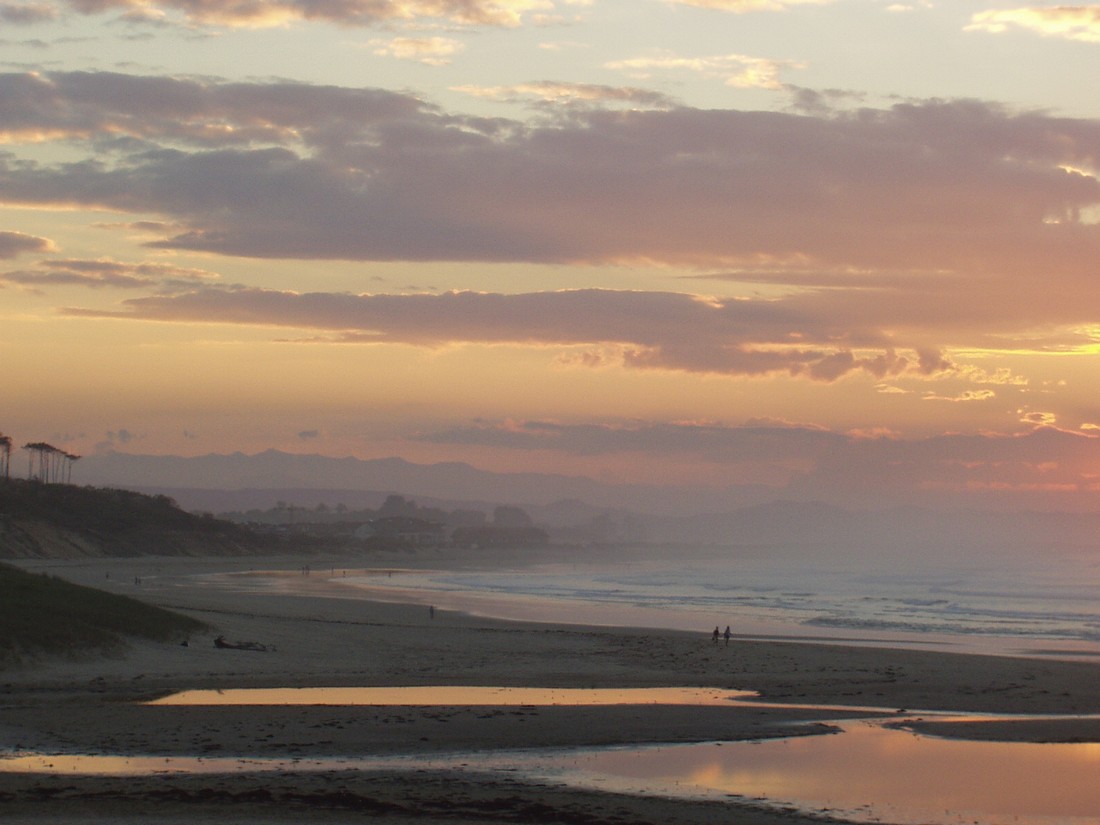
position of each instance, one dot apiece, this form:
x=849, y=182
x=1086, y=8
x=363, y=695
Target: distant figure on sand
x=727, y=635
x=714, y=637
x=431, y=611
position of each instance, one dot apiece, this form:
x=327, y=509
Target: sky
x=722, y=242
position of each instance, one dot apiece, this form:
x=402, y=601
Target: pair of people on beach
x=726, y=635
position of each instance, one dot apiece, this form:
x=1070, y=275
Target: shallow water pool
x=872, y=771
x=457, y=695
x=868, y=773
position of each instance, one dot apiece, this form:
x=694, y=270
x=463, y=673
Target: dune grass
x=41, y=614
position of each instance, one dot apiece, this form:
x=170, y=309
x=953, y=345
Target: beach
x=320, y=634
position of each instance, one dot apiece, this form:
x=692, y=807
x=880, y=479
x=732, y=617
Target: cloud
x=737, y=70
x=14, y=244
x=570, y=93
x=130, y=113
x=18, y=14
x=654, y=330
x=107, y=273
x=821, y=102
x=266, y=13
x=744, y=6
x=116, y=438
x=948, y=223
x=963, y=397
x=431, y=51
x=1069, y=22
x=291, y=170
x=1037, y=418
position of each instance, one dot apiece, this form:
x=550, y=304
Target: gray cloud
x=107, y=106
x=14, y=244
x=20, y=14
x=254, y=13
x=106, y=273
x=946, y=223
x=288, y=170
x=651, y=330
x=571, y=94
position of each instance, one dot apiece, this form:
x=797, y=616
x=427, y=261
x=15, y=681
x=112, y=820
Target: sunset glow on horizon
x=847, y=244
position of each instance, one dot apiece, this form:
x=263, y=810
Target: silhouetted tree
x=396, y=505
x=509, y=516
x=5, y=456
x=49, y=461
x=70, y=460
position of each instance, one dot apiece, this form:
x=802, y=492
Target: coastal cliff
x=66, y=521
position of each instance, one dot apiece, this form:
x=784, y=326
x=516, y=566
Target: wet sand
x=334, y=638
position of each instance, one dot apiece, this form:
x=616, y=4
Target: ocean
x=1041, y=603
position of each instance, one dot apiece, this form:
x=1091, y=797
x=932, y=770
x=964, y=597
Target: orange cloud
x=963, y=397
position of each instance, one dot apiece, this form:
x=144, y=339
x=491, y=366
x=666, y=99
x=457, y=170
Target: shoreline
x=326, y=641
x=345, y=575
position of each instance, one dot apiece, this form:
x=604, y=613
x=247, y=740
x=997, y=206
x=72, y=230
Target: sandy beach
x=330, y=636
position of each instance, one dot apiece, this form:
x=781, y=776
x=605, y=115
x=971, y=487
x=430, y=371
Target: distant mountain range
x=243, y=481
x=745, y=515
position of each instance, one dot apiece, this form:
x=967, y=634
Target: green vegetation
x=43, y=614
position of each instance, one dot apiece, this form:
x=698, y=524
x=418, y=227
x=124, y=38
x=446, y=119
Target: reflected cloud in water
x=872, y=771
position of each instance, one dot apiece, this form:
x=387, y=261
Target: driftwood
x=222, y=643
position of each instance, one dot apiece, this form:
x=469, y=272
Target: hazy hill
x=896, y=531
x=63, y=521
x=447, y=481
x=580, y=510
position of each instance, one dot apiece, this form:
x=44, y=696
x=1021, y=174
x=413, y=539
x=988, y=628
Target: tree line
x=47, y=463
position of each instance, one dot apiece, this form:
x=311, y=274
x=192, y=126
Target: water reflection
x=102, y=765
x=456, y=695
x=867, y=773
x=871, y=773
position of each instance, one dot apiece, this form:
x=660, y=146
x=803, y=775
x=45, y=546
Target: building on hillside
x=405, y=530
x=492, y=535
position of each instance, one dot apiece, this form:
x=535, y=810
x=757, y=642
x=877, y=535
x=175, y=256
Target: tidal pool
x=456, y=695
x=868, y=773
x=872, y=771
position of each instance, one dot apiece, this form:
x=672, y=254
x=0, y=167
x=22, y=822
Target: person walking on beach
x=727, y=635
x=714, y=636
